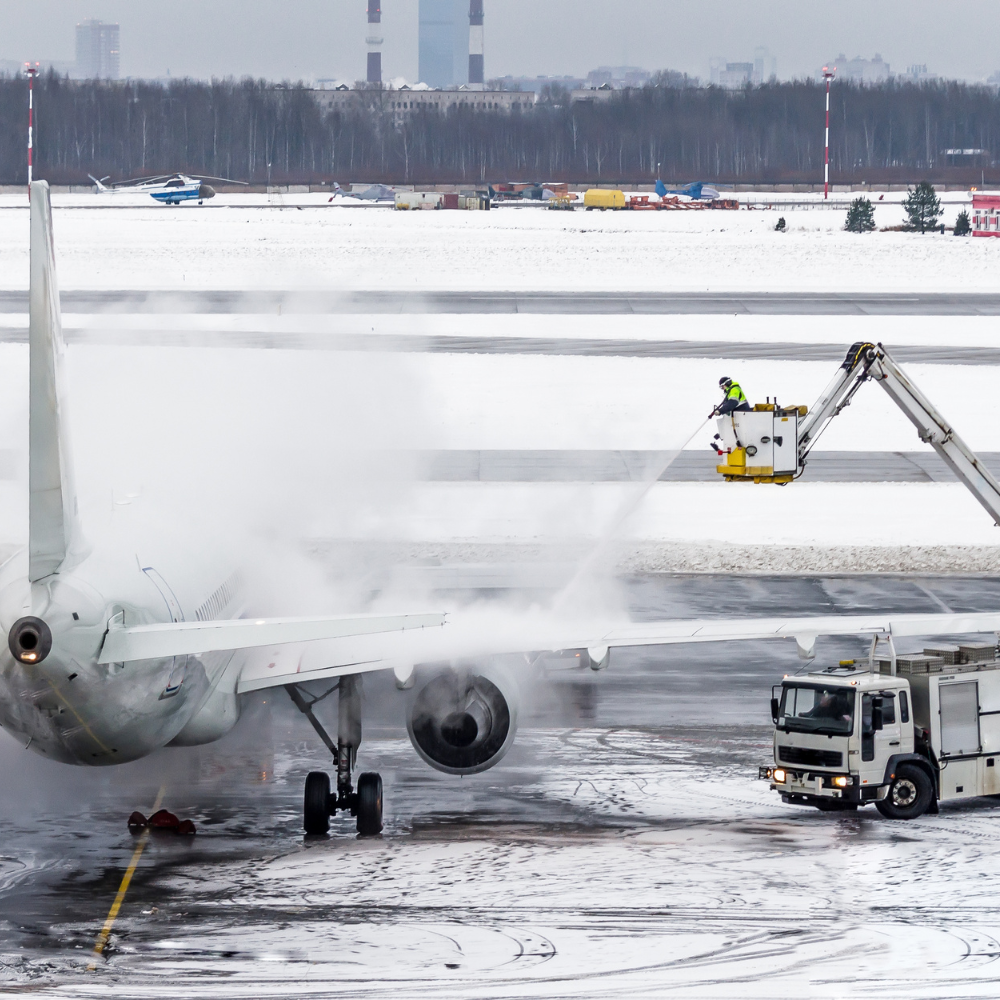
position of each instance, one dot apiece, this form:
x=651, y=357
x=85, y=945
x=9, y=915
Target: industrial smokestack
x=476, y=69
x=374, y=41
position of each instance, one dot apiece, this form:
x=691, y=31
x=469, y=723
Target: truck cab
x=837, y=735
x=901, y=733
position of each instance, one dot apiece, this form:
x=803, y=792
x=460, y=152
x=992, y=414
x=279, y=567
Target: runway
x=462, y=466
x=623, y=847
x=527, y=302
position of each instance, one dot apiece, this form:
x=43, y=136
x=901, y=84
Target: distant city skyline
x=522, y=37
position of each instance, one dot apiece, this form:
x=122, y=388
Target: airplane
x=169, y=189
x=698, y=191
x=119, y=645
x=377, y=192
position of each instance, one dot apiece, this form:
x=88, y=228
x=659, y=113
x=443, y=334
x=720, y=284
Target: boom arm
x=873, y=361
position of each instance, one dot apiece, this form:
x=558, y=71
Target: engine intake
x=462, y=721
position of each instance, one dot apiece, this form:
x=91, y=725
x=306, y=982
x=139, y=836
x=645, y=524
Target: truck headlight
x=779, y=775
x=841, y=781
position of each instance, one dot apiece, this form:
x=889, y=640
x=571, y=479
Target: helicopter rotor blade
x=210, y=177
x=142, y=180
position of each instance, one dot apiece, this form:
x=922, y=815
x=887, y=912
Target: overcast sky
x=325, y=38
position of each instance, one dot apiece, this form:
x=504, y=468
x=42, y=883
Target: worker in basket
x=734, y=399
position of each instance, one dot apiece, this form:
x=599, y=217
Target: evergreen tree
x=779, y=226
x=922, y=207
x=860, y=216
x=962, y=224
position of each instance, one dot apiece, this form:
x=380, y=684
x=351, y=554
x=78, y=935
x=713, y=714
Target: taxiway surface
x=622, y=848
x=531, y=302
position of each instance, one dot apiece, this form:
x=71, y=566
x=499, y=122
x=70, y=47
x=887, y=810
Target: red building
x=985, y=214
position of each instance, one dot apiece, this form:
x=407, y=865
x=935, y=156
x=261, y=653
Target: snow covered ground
x=597, y=861
x=223, y=420
x=273, y=426
x=229, y=245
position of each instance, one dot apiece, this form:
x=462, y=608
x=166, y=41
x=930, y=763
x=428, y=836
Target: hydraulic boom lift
x=771, y=444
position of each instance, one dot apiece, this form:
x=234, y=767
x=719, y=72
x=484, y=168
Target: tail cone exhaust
x=30, y=640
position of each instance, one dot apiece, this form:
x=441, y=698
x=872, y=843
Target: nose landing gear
x=319, y=802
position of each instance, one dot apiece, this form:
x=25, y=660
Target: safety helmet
x=725, y=382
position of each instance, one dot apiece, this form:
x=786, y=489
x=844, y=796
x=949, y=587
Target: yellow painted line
x=79, y=718
x=102, y=938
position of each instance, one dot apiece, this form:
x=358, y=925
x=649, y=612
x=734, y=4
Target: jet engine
x=463, y=720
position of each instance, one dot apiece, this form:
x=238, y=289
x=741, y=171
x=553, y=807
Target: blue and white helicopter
x=169, y=189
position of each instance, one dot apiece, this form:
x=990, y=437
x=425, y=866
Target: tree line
x=253, y=130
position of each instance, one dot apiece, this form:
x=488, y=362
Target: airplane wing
x=147, y=642
x=803, y=630
x=464, y=639
x=287, y=650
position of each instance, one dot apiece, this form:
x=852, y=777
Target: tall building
x=765, y=66
x=731, y=75
x=98, y=55
x=444, y=42
x=860, y=70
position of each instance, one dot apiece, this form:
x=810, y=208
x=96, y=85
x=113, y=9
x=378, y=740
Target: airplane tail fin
x=52, y=516
x=661, y=189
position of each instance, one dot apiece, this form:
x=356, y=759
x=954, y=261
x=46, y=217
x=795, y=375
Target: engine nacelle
x=463, y=720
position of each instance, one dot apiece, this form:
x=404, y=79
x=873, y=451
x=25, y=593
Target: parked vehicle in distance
x=603, y=199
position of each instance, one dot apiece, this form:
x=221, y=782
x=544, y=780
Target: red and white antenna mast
x=32, y=72
x=828, y=75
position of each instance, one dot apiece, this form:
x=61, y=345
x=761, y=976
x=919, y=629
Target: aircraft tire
x=369, y=804
x=316, y=804
x=910, y=794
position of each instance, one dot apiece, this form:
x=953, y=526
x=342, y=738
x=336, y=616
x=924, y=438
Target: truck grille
x=809, y=757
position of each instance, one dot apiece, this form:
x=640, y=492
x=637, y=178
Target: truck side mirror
x=878, y=722
x=774, y=710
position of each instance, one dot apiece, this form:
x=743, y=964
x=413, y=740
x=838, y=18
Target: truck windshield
x=828, y=710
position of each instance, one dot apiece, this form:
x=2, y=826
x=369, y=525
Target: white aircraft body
x=168, y=189
x=111, y=657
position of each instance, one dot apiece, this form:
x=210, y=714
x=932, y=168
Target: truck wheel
x=910, y=794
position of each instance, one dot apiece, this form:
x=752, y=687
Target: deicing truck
x=903, y=733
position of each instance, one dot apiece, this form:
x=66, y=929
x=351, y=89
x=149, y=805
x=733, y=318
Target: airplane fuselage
x=71, y=708
x=174, y=193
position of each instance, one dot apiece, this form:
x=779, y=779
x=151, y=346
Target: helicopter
x=169, y=189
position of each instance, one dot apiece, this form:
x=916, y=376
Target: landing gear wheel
x=316, y=804
x=910, y=794
x=369, y=804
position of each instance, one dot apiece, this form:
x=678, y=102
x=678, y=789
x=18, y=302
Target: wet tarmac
x=550, y=466
x=623, y=847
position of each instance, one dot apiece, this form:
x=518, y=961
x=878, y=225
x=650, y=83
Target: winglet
x=52, y=515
